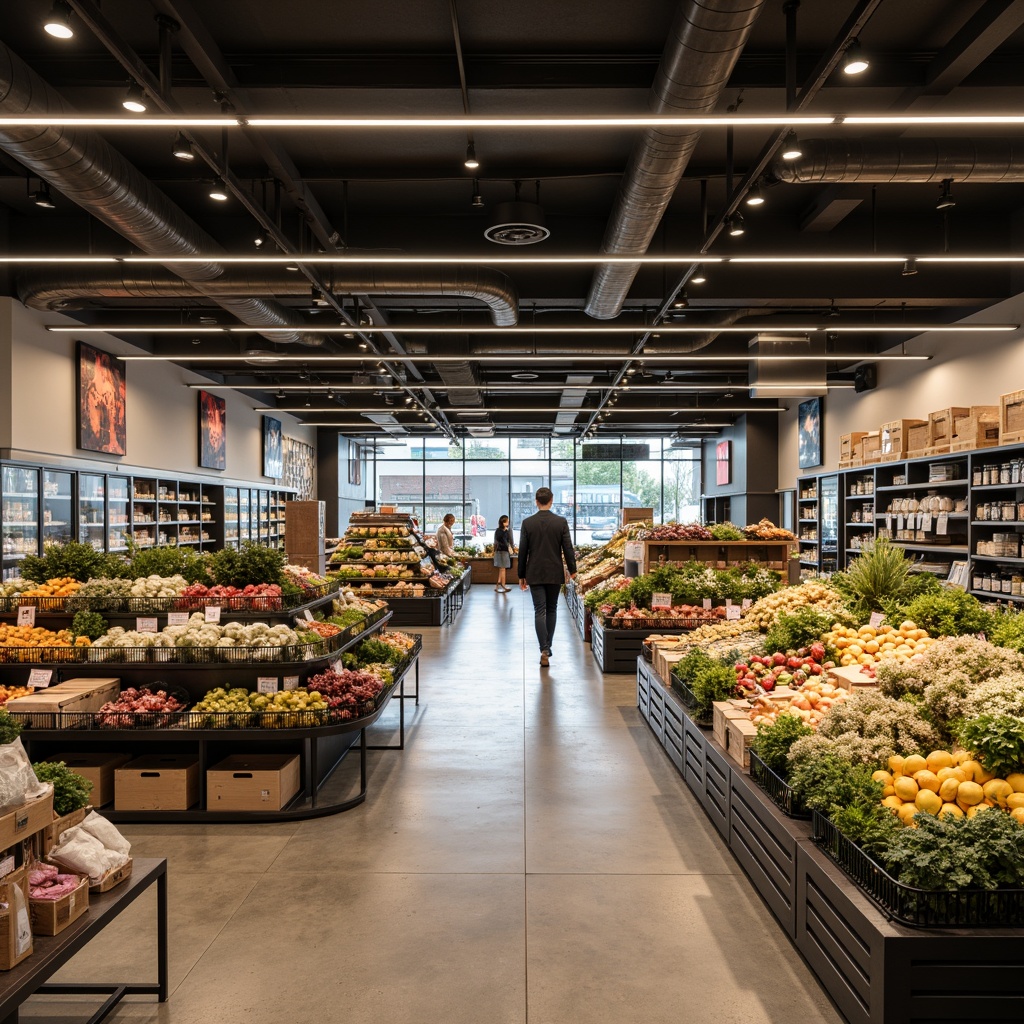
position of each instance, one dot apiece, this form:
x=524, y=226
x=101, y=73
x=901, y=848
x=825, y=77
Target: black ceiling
x=382, y=191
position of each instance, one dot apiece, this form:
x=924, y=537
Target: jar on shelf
x=1004, y=473
x=1016, y=584
x=977, y=476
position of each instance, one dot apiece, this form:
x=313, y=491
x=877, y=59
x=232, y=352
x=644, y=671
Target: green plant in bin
x=708, y=680
x=10, y=727
x=772, y=742
x=90, y=624
x=996, y=740
x=70, y=790
x=78, y=561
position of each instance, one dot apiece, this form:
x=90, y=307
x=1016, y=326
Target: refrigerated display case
x=58, y=506
x=119, y=527
x=19, y=512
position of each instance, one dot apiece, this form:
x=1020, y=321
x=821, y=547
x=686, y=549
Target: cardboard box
x=637, y=515
x=113, y=877
x=73, y=696
x=99, y=769
x=919, y=437
x=739, y=734
x=942, y=424
x=26, y=821
x=895, y=435
x=1011, y=417
x=723, y=712
x=850, y=676
x=15, y=921
x=51, y=917
x=871, y=447
x=252, y=782
x=847, y=442
x=980, y=429
x=157, y=782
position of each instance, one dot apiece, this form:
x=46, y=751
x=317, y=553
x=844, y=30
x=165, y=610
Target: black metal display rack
x=321, y=744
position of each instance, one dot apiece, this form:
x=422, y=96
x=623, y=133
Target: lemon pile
x=947, y=783
x=868, y=644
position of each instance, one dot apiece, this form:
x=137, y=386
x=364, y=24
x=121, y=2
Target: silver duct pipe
x=44, y=287
x=702, y=48
x=92, y=174
x=909, y=160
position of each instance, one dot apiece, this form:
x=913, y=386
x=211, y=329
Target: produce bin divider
x=777, y=789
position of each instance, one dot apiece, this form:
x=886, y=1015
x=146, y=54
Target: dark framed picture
x=213, y=437
x=101, y=401
x=355, y=465
x=273, y=452
x=723, y=465
x=809, y=430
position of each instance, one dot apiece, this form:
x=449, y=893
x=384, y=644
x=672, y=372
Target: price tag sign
x=706, y=604
x=733, y=612
x=877, y=618
x=147, y=625
x=746, y=603
x=39, y=678
x=900, y=523
x=659, y=601
x=267, y=684
x=177, y=618
x=888, y=523
x=291, y=682
x=942, y=524
x=926, y=521
x=307, y=615
x=728, y=602
x=26, y=615
x=213, y=613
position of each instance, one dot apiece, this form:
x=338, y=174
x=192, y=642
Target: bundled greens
x=772, y=742
x=70, y=790
x=708, y=680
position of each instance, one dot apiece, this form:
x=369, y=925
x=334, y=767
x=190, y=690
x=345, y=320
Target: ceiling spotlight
x=755, y=197
x=854, y=60
x=408, y=399
x=909, y=267
x=682, y=300
x=478, y=200
x=260, y=238
x=218, y=192
x=41, y=197
x=698, y=276
x=791, y=147
x=362, y=345
x=735, y=226
x=135, y=100
x=631, y=371
x=471, y=163
x=280, y=393
x=292, y=266
x=181, y=149
x=308, y=403
x=58, y=22
x=833, y=311
x=946, y=200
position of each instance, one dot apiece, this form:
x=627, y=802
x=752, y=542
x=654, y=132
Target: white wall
x=966, y=369
x=161, y=417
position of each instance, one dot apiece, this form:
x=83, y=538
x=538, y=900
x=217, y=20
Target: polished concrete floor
x=532, y=856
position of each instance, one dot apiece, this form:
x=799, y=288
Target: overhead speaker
x=865, y=378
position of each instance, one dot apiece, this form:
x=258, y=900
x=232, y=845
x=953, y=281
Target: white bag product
x=85, y=854
x=18, y=782
x=98, y=826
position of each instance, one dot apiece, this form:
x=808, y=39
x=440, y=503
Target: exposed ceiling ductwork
x=65, y=287
x=92, y=174
x=910, y=160
x=703, y=45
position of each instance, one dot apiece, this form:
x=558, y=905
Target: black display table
x=53, y=952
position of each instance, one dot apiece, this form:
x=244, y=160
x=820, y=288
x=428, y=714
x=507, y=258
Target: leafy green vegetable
x=878, y=576
x=708, y=680
x=169, y=561
x=1007, y=630
x=90, y=624
x=223, y=566
x=259, y=564
x=996, y=740
x=982, y=852
x=373, y=651
x=772, y=742
x=726, y=531
x=10, y=727
x=793, y=630
x=70, y=790
x=830, y=782
x=79, y=561
x=951, y=612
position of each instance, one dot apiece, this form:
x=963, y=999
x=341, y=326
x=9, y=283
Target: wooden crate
x=25, y=821
x=739, y=734
x=847, y=442
x=15, y=923
x=894, y=436
x=158, y=782
x=870, y=447
x=979, y=429
x=942, y=424
x=1011, y=417
x=115, y=876
x=725, y=711
x=51, y=917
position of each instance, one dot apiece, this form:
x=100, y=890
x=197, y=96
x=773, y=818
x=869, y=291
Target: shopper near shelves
x=543, y=542
x=444, y=537
x=504, y=549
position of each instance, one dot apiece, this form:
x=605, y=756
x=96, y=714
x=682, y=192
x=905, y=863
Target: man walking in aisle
x=543, y=541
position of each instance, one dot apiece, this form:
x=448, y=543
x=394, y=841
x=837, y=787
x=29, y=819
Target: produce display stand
x=485, y=571
x=51, y=953
x=720, y=554
x=616, y=650
x=581, y=616
x=876, y=971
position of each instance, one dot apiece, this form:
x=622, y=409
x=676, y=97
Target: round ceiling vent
x=517, y=223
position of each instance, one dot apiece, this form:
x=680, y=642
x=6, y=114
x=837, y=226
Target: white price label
x=942, y=524
x=728, y=602
x=888, y=523
x=213, y=613
x=877, y=618
x=733, y=612
x=147, y=625
x=926, y=521
x=291, y=682
x=747, y=603
x=26, y=615
x=177, y=618
x=267, y=684
x=706, y=604
x=660, y=601
x=900, y=523
x=39, y=678
x=307, y=615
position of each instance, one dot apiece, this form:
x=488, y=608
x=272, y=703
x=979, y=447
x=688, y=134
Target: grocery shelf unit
x=807, y=525
x=254, y=514
x=874, y=969
x=321, y=747
x=720, y=554
x=979, y=530
x=395, y=545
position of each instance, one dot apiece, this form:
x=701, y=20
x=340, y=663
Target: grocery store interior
x=298, y=301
